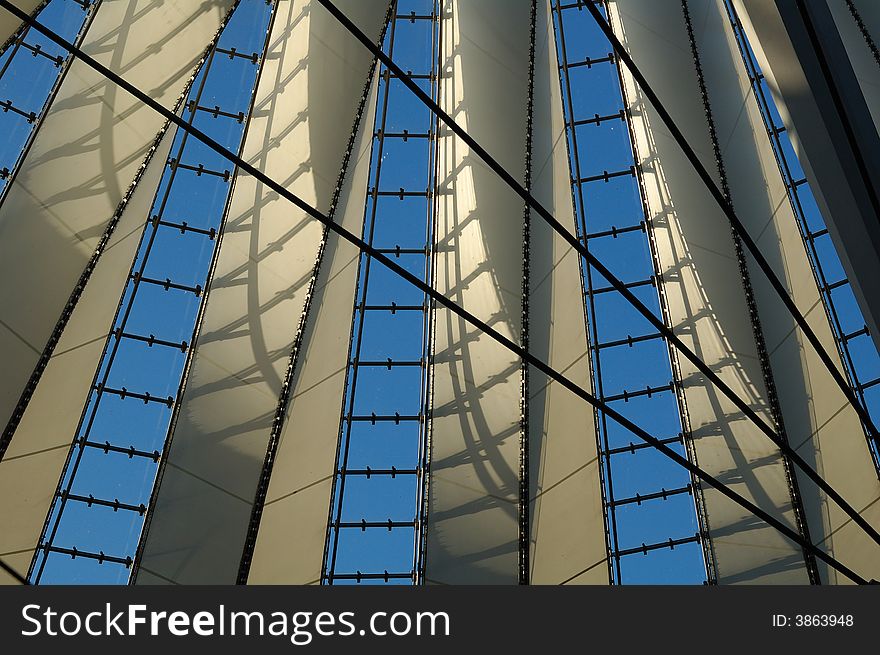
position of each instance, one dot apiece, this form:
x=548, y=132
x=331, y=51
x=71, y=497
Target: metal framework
x=763, y=265
x=381, y=461
x=621, y=287
x=856, y=348
x=757, y=331
x=439, y=298
x=599, y=138
x=126, y=419
x=524, y=522
x=114, y=380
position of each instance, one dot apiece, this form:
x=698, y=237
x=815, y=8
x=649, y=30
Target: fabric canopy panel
x=473, y=516
x=75, y=178
x=32, y=466
x=474, y=489
x=10, y=24
x=700, y=277
x=821, y=425
x=81, y=163
x=567, y=521
x=298, y=499
x=307, y=103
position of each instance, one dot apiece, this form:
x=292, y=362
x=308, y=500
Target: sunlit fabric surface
x=307, y=99
x=10, y=24
x=701, y=280
x=298, y=499
x=473, y=517
x=83, y=160
x=565, y=495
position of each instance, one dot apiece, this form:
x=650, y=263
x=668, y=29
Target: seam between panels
x=579, y=207
x=92, y=264
x=754, y=318
x=869, y=39
x=21, y=28
x=709, y=559
x=287, y=385
x=524, y=514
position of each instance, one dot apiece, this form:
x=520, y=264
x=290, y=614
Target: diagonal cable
x=440, y=298
x=737, y=225
x=619, y=286
x=12, y=572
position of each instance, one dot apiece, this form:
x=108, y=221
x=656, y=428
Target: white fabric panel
x=567, y=521
x=473, y=518
x=293, y=529
x=866, y=68
x=704, y=292
x=9, y=23
x=820, y=424
x=32, y=466
x=307, y=100
x=82, y=162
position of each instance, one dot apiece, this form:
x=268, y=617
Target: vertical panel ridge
x=567, y=522
x=326, y=348
x=11, y=26
x=306, y=102
x=473, y=514
x=757, y=331
x=524, y=514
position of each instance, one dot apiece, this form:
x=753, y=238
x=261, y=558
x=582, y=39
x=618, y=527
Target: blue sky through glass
x=184, y=257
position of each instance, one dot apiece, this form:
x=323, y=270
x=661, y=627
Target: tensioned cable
x=15, y=574
x=737, y=225
x=614, y=281
x=66, y=312
x=757, y=331
x=438, y=297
